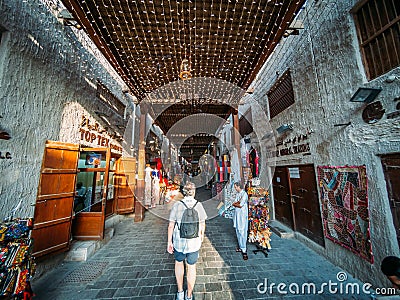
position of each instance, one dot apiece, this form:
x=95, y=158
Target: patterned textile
x=344, y=201
x=259, y=231
x=21, y=282
x=16, y=260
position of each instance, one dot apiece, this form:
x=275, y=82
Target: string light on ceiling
x=147, y=41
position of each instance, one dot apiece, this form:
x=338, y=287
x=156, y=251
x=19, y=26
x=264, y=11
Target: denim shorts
x=191, y=258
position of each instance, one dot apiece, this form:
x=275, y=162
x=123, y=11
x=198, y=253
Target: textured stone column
x=236, y=139
x=139, y=193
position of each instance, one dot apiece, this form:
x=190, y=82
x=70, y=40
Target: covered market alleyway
x=135, y=265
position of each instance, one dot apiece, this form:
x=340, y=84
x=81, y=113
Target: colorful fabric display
x=9, y=284
x=20, y=254
x=16, y=263
x=17, y=231
x=3, y=278
x=3, y=230
x=3, y=254
x=256, y=163
x=259, y=217
x=21, y=282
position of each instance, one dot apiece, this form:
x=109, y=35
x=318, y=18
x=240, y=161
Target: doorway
x=109, y=181
x=391, y=169
x=92, y=185
x=78, y=188
x=296, y=200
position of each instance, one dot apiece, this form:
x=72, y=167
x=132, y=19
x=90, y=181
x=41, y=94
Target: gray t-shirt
x=186, y=245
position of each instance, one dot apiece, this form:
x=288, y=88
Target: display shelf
x=16, y=261
x=259, y=231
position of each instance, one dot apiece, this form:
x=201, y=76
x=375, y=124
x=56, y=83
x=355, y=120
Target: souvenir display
x=223, y=168
x=259, y=231
x=16, y=261
x=226, y=208
x=171, y=193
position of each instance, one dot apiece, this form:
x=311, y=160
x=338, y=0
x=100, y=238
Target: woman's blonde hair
x=189, y=189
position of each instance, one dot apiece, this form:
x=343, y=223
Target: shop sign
x=92, y=133
x=294, y=172
x=5, y=155
x=293, y=150
x=292, y=146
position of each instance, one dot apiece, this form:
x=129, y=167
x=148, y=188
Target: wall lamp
x=366, y=95
x=294, y=28
x=68, y=19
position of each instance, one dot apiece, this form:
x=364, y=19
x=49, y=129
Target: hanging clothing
x=256, y=162
x=155, y=193
x=147, y=186
x=235, y=167
x=253, y=159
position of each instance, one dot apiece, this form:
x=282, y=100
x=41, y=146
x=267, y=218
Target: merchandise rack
x=259, y=231
x=16, y=261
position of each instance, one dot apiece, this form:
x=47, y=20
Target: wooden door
x=88, y=224
x=391, y=168
x=55, y=199
x=283, y=207
x=125, y=180
x=306, y=207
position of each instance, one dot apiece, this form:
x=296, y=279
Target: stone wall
x=327, y=69
x=44, y=67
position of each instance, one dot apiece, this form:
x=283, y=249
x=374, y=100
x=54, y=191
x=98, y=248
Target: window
x=281, y=95
x=378, y=29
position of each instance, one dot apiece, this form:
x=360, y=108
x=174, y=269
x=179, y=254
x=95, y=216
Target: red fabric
x=158, y=163
x=256, y=162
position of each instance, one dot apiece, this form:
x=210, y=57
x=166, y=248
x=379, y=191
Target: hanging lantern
x=185, y=70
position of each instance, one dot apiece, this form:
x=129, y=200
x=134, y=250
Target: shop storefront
x=84, y=180
x=296, y=200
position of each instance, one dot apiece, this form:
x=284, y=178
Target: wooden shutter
x=55, y=198
x=125, y=179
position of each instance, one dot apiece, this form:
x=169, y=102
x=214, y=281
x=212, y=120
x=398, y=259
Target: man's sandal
x=238, y=249
x=245, y=257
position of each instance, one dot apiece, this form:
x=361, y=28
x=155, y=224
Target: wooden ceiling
x=177, y=112
x=146, y=41
x=195, y=146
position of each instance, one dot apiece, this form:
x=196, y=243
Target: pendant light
x=185, y=70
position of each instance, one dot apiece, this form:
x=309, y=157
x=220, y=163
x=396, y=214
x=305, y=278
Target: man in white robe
x=241, y=218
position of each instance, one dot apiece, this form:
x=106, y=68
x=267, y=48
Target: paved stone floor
x=135, y=265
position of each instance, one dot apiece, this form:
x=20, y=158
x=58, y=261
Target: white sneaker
x=180, y=295
x=187, y=298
